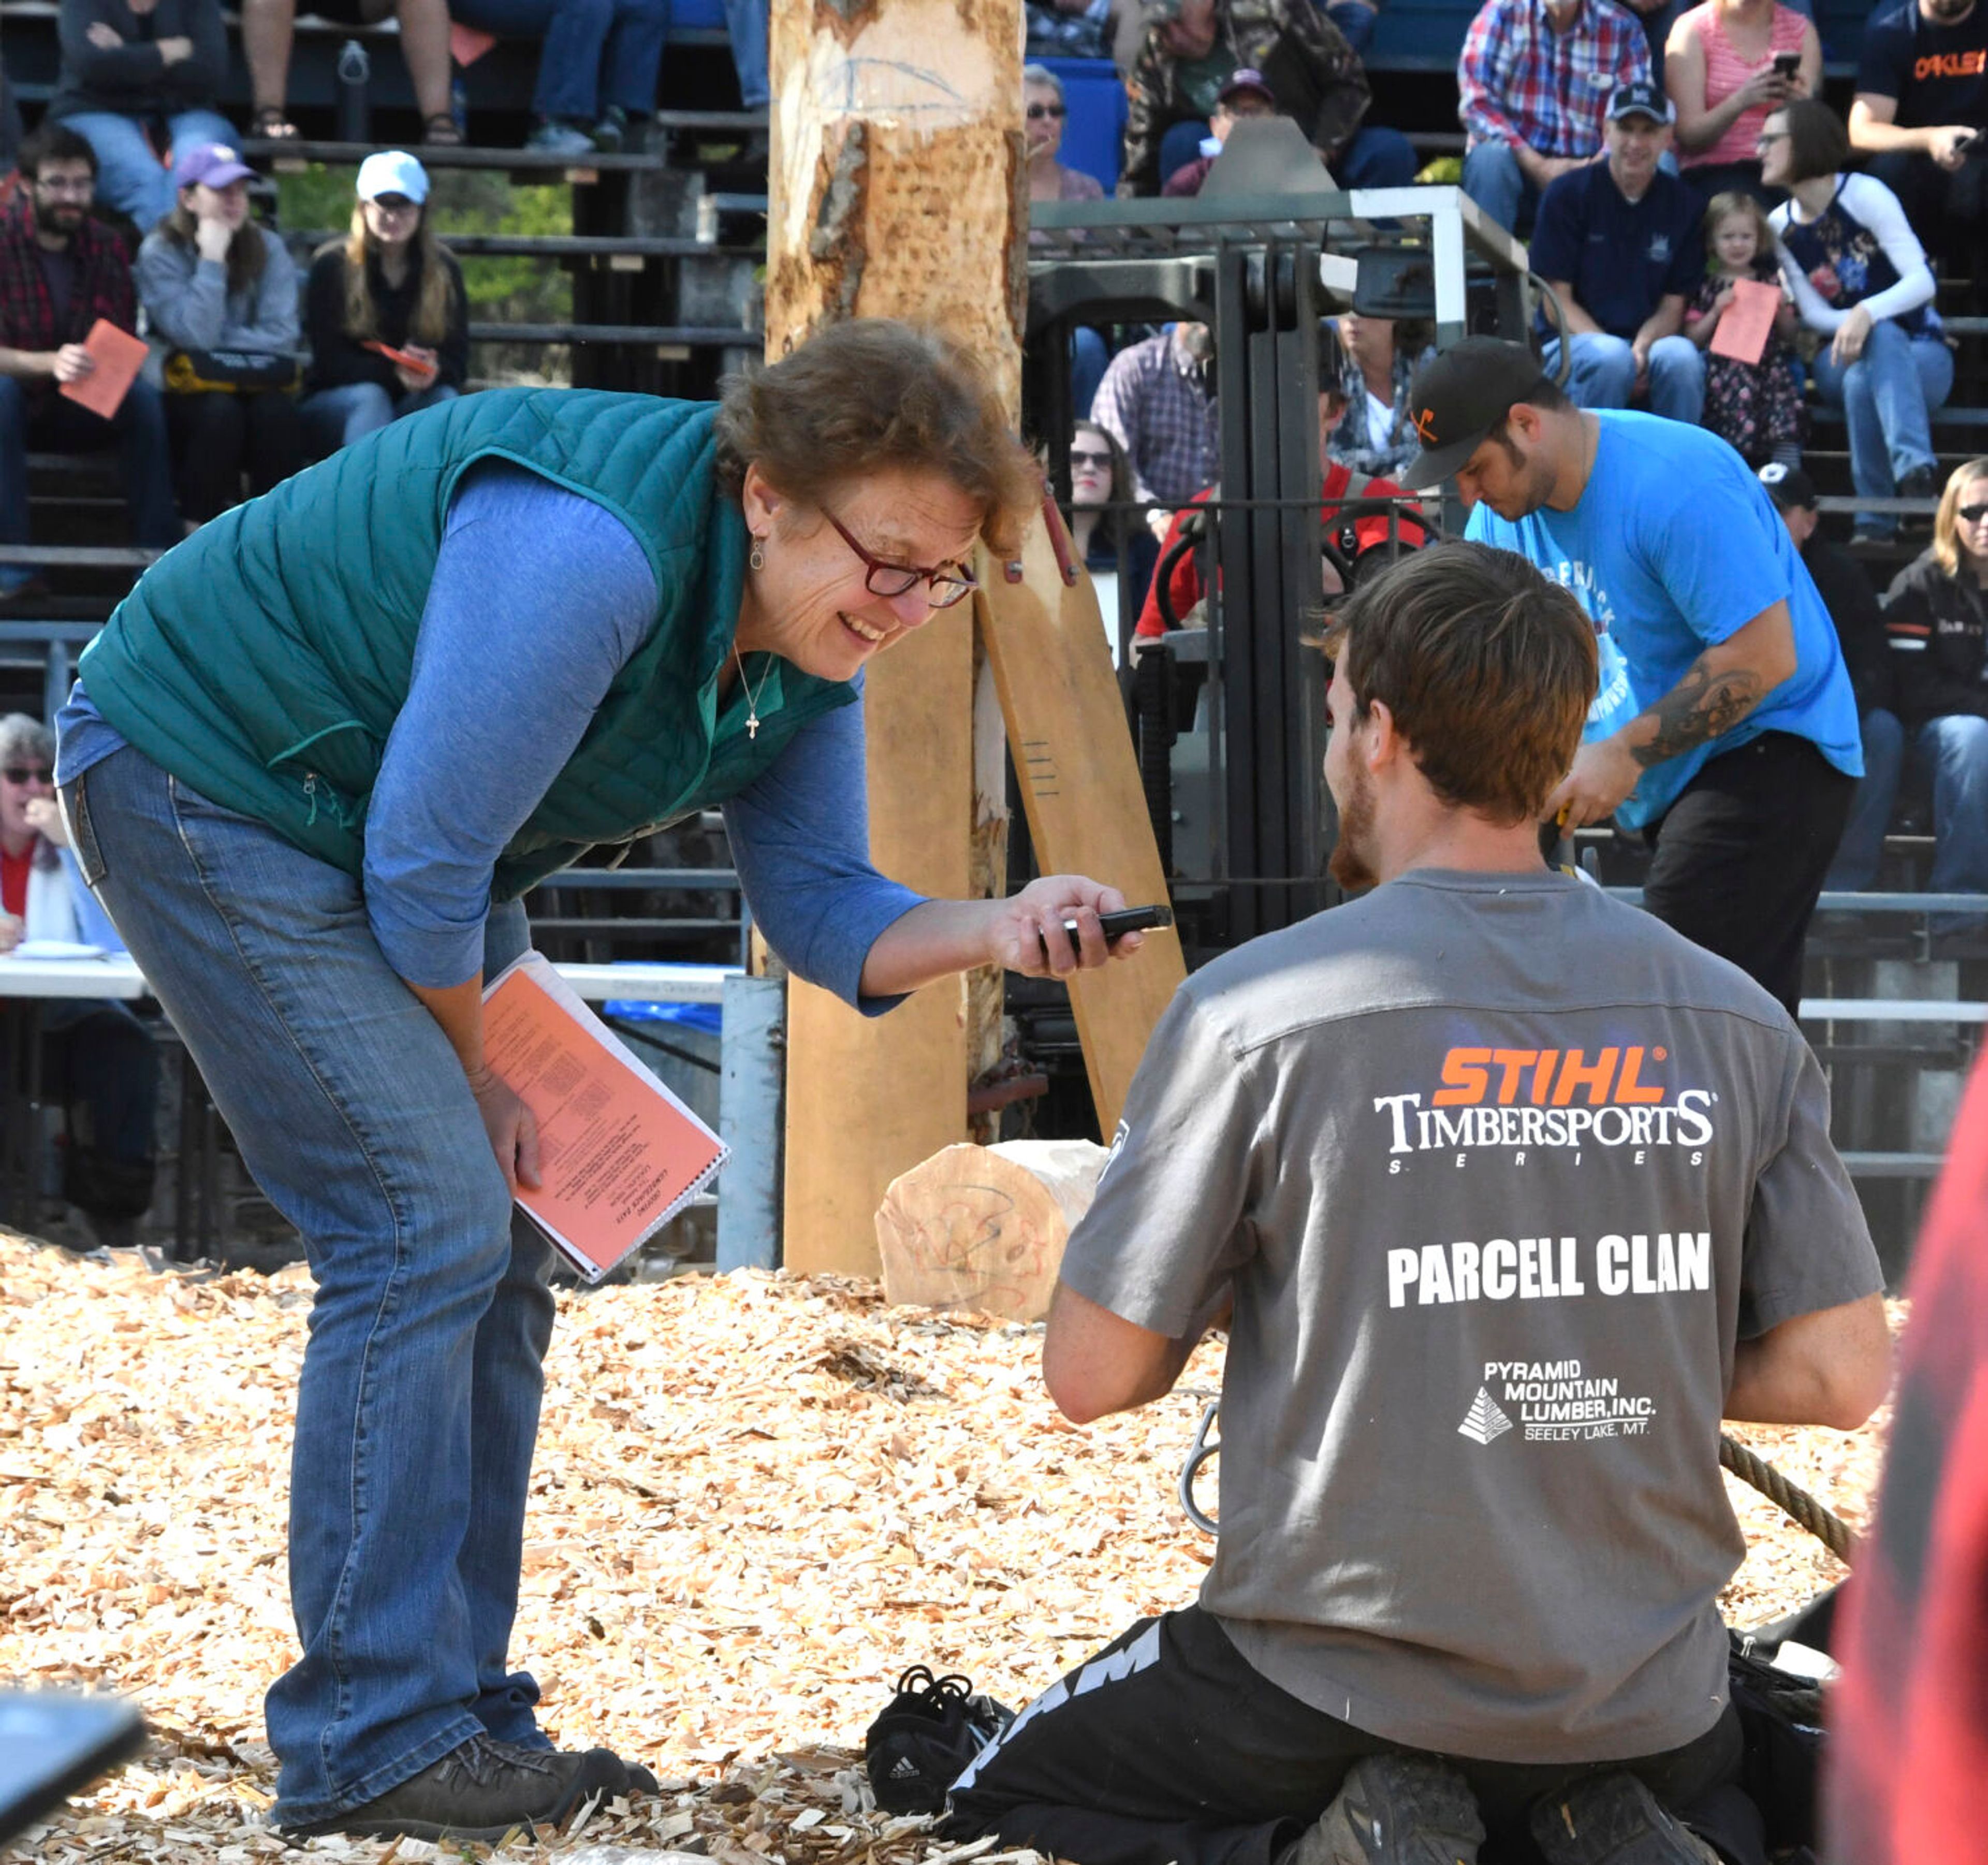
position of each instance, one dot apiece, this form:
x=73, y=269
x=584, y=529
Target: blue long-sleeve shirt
x=539, y=597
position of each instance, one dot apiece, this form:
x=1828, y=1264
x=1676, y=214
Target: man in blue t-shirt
x=1725, y=726
x=1921, y=105
x=1618, y=241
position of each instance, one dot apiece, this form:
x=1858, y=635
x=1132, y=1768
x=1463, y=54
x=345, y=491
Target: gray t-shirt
x=1498, y=1169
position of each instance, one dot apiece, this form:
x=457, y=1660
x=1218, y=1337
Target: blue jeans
x=1888, y=396
x=1862, y=847
x=1604, y=375
x=595, y=52
x=335, y=418
x=1953, y=750
x=418, y=1404
x=746, y=21
x=137, y=430
x=1355, y=20
x=1493, y=179
x=129, y=176
x=1376, y=157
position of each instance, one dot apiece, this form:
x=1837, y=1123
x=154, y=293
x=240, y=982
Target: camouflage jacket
x=1316, y=77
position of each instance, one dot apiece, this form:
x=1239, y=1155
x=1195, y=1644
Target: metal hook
x=1199, y=1454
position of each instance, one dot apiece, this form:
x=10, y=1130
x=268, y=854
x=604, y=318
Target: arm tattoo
x=1706, y=702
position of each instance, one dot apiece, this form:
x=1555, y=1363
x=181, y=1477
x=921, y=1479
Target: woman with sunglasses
x=1110, y=540
x=1936, y=609
x=1044, y=113
x=314, y=761
x=384, y=311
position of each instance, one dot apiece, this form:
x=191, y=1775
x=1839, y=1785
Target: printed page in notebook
x=618, y=1153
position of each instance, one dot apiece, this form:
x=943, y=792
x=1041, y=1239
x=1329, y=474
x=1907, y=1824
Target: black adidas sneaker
x=926, y=1735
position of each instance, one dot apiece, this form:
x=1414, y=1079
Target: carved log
x=984, y=1227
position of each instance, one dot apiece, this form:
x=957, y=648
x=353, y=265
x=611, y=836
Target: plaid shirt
x=1521, y=82
x=1315, y=76
x=103, y=289
x=1152, y=402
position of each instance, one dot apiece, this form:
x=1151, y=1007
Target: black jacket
x=1938, y=628
x=131, y=78
x=1852, y=604
x=337, y=359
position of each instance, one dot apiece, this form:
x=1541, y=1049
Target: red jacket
x=1184, y=585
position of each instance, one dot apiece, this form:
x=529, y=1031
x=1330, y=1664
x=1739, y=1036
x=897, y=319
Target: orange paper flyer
x=1745, y=323
x=421, y=365
x=619, y=1154
x=120, y=356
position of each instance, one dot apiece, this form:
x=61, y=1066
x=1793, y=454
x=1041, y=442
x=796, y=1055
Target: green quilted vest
x=264, y=661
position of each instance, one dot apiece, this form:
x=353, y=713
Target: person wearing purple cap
x=1247, y=93
x=209, y=279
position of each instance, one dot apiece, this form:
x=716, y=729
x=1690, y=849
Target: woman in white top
x=1859, y=275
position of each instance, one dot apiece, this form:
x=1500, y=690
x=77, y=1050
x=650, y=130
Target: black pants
x=216, y=438
x=1948, y=209
x=1742, y=853
x=102, y=1065
x=1183, y=1755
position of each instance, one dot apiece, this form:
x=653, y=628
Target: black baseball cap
x=1459, y=398
x=1788, y=486
x=1640, y=98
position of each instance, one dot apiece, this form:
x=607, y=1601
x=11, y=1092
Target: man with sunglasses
x=60, y=271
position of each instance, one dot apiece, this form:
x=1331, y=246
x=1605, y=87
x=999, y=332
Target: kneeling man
x=1510, y=1192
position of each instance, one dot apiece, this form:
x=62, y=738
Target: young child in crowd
x=1756, y=406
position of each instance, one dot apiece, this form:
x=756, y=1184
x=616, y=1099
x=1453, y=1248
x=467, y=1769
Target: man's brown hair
x=1487, y=667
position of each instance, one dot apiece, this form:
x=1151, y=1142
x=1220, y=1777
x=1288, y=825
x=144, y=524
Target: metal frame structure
x=1260, y=270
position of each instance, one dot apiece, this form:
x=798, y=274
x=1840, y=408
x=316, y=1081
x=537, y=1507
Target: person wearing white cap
x=385, y=311
x=209, y=279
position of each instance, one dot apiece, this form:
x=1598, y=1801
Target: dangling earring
x=758, y=558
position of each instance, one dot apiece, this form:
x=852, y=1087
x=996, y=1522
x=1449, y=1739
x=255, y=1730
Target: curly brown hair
x=875, y=394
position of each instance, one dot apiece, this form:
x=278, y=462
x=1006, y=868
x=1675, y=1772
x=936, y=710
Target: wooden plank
x=897, y=138
x=1079, y=783
x=868, y=1097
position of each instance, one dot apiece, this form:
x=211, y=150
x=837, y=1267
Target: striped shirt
x=1521, y=82
x=1726, y=72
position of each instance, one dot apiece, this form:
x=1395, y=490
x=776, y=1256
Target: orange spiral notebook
x=618, y=1153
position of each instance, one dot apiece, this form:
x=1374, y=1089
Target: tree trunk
x=898, y=189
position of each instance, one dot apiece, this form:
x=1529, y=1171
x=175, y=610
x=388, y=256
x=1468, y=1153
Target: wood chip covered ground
x=756, y=1500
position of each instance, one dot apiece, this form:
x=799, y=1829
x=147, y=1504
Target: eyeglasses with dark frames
x=1767, y=138
x=1972, y=514
x=947, y=583
x=1038, y=111
x=1082, y=456
x=29, y=773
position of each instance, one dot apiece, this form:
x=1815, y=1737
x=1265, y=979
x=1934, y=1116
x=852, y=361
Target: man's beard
x=1351, y=865
x=58, y=217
